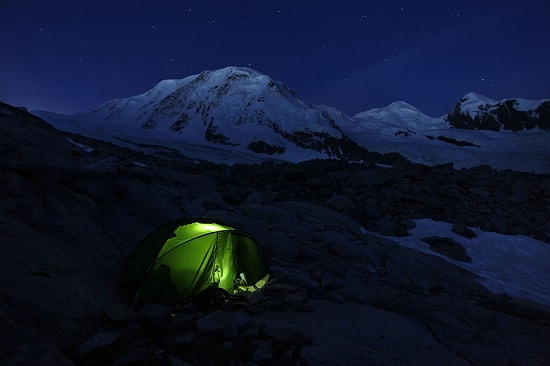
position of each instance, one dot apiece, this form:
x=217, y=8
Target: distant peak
x=399, y=104
x=472, y=97
x=167, y=83
x=241, y=69
x=394, y=107
x=238, y=71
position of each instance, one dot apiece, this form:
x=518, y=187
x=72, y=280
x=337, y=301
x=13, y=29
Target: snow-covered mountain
x=398, y=116
x=237, y=114
x=400, y=127
x=475, y=111
x=233, y=107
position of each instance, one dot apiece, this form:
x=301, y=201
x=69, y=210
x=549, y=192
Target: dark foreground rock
x=338, y=295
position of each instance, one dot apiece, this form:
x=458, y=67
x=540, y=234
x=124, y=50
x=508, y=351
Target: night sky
x=71, y=56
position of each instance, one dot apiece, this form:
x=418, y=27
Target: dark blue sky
x=71, y=56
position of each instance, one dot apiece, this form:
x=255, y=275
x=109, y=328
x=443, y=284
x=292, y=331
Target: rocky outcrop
x=383, y=198
x=505, y=115
x=338, y=295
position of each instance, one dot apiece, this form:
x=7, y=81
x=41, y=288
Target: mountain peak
x=476, y=97
x=234, y=107
x=471, y=101
x=400, y=104
x=475, y=100
x=475, y=111
x=398, y=115
x=239, y=71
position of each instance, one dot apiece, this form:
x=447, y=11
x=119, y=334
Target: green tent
x=185, y=257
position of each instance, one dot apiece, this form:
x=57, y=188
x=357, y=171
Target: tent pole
x=135, y=298
x=200, y=267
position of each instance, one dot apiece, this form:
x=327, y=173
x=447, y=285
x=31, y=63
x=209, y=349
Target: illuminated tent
x=185, y=257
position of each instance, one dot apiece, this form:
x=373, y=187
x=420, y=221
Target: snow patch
x=516, y=265
x=82, y=146
x=141, y=165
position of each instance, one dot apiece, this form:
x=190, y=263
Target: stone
x=180, y=322
x=386, y=227
x=371, y=212
x=295, y=297
x=263, y=350
x=97, y=342
x=174, y=361
x=153, y=315
x=497, y=224
x=286, y=335
x=6, y=318
x=251, y=332
x=133, y=357
x=407, y=224
x=318, y=182
x=98, y=191
x=448, y=247
x=255, y=297
x=341, y=202
x=464, y=231
x=118, y=312
x=480, y=192
x=452, y=191
x=230, y=331
x=294, y=278
x=429, y=274
x=255, y=197
x=41, y=354
x=218, y=321
x=182, y=339
x=520, y=193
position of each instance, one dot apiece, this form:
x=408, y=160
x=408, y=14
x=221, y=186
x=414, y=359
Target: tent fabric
x=183, y=258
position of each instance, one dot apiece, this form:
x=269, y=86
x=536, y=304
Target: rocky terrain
x=480, y=113
x=340, y=293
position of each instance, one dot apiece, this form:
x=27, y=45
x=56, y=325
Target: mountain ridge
x=475, y=111
x=240, y=110
x=233, y=106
